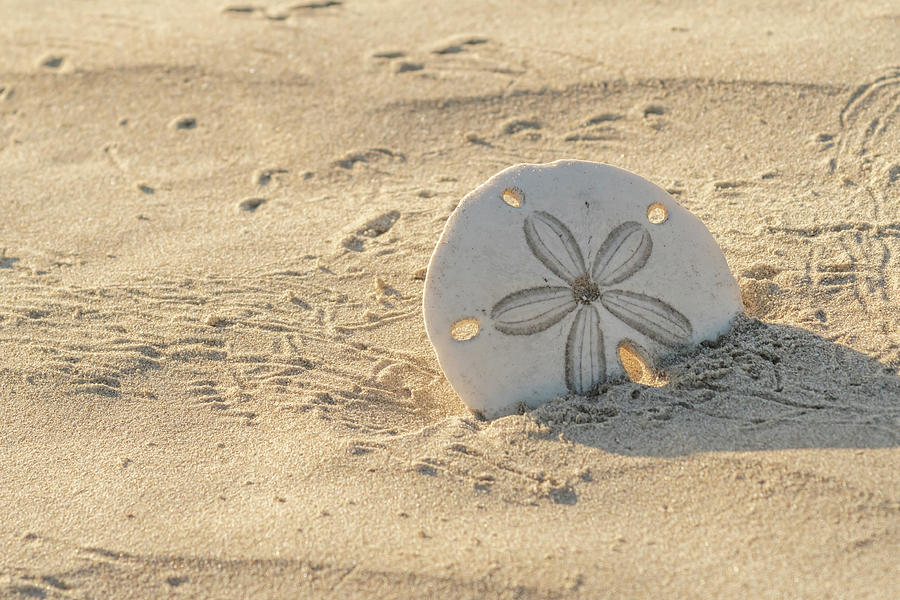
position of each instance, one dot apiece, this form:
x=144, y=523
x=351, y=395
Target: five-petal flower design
x=624, y=252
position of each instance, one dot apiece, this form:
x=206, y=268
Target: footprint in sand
x=369, y=157
x=184, y=122
x=599, y=128
x=457, y=44
x=516, y=125
x=370, y=230
x=316, y=5
x=262, y=177
x=54, y=62
x=243, y=9
x=451, y=56
x=388, y=54
x=527, y=128
x=407, y=67
x=648, y=110
x=250, y=204
x=279, y=14
x=467, y=54
x=391, y=58
x=650, y=114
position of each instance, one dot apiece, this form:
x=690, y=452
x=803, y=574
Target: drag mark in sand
x=104, y=572
x=100, y=344
x=870, y=125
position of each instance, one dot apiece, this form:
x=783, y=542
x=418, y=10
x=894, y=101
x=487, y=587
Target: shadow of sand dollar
x=762, y=387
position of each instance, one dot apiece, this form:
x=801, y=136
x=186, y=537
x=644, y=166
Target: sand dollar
x=554, y=279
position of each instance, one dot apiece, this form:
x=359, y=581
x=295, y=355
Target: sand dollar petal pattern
x=532, y=310
x=624, y=252
x=585, y=358
x=651, y=316
x=553, y=244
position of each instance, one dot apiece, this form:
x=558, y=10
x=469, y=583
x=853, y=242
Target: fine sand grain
x=214, y=377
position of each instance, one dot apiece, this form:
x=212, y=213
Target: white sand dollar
x=544, y=272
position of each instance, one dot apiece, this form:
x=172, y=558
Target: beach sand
x=214, y=226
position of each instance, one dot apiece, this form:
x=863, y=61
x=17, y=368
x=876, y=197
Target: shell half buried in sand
x=555, y=279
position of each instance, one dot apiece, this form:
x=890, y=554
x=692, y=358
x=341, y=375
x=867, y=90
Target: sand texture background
x=214, y=225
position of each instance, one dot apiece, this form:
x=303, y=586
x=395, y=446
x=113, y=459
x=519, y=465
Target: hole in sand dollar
x=637, y=367
x=513, y=196
x=657, y=213
x=465, y=329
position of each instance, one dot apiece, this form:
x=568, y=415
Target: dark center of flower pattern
x=584, y=290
